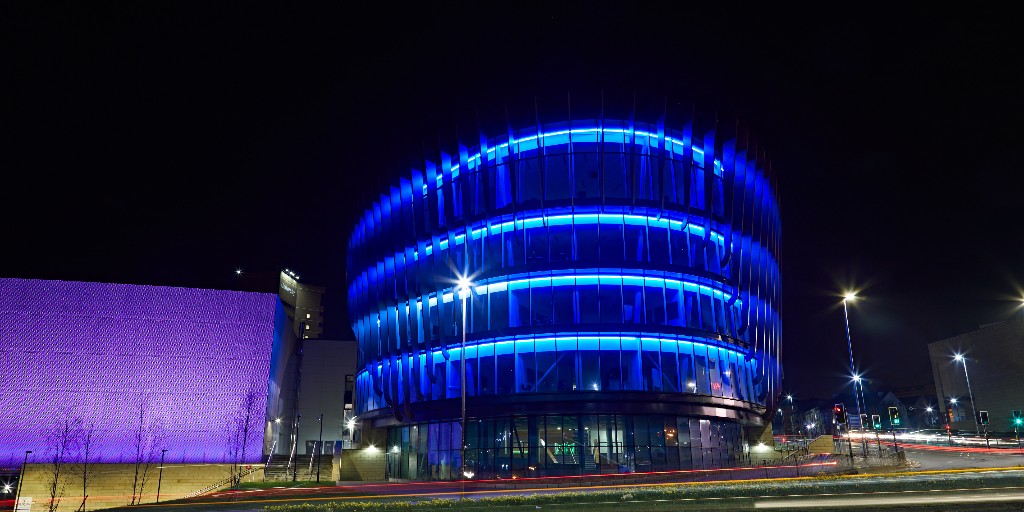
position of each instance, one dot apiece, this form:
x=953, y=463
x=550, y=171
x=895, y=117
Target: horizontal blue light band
x=553, y=343
x=577, y=135
x=663, y=222
x=584, y=279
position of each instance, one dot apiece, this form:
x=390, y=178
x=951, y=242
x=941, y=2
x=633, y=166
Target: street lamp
x=320, y=447
x=21, y=480
x=463, y=289
x=161, y=477
x=849, y=296
x=961, y=359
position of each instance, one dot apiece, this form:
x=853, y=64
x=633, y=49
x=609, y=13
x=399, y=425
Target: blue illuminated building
x=622, y=314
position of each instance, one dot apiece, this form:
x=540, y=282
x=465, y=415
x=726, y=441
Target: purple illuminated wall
x=99, y=352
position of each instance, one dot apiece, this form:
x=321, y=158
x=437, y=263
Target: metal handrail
x=221, y=483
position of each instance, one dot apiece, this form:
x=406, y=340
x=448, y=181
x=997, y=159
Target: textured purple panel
x=99, y=353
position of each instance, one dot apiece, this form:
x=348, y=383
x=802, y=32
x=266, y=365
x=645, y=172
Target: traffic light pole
x=986, y=437
x=849, y=442
x=1017, y=434
x=895, y=445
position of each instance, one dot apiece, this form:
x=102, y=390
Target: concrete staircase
x=305, y=468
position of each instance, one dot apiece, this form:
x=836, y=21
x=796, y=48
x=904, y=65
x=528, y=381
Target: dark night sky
x=169, y=143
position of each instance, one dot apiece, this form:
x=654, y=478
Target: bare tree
x=240, y=431
x=87, y=440
x=148, y=437
x=63, y=443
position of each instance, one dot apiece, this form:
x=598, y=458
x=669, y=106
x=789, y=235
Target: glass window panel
x=561, y=243
x=610, y=298
x=478, y=303
x=654, y=302
x=556, y=175
x=547, y=371
x=486, y=370
x=691, y=305
x=537, y=244
x=610, y=244
x=528, y=174
x=635, y=243
x=454, y=379
x=588, y=304
x=515, y=246
x=658, y=244
x=669, y=367
x=633, y=301
x=497, y=302
x=540, y=305
x=492, y=251
x=707, y=314
x=438, y=390
x=611, y=371
x=632, y=378
x=644, y=173
x=567, y=367
x=590, y=364
x=519, y=304
x=587, y=242
x=505, y=368
x=526, y=367
x=562, y=298
x=680, y=248
x=586, y=174
x=651, y=367
x=697, y=189
x=719, y=309
x=674, y=304
x=472, y=374
x=714, y=265
x=715, y=371
x=700, y=357
x=615, y=185
x=718, y=197
x=697, y=252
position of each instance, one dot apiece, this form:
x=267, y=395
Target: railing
x=222, y=483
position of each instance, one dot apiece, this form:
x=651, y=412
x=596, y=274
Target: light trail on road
x=892, y=498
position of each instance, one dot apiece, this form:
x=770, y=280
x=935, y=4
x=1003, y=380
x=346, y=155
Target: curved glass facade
x=615, y=269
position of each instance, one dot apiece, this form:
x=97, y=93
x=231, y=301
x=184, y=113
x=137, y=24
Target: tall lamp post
x=21, y=480
x=320, y=447
x=961, y=359
x=295, y=448
x=463, y=290
x=853, y=369
x=160, y=478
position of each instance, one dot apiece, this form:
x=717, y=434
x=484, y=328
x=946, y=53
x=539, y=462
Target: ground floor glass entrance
x=561, y=445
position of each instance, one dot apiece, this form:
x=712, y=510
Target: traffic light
x=876, y=422
x=839, y=410
x=894, y=417
x=863, y=421
x=1017, y=420
x=983, y=417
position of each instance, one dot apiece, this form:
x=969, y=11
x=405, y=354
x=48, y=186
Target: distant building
x=994, y=357
x=309, y=377
x=302, y=305
x=326, y=386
